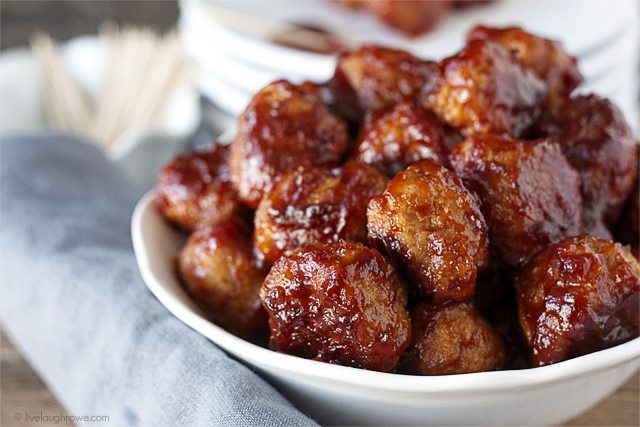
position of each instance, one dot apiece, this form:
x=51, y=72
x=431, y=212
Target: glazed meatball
x=570, y=296
x=545, y=57
x=485, y=89
x=383, y=77
x=196, y=189
x=404, y=135
x=412, y=17
x=429, y=223
x=281, y=128
x=598, y=142
x=339, y=303
x=219, y=271
x=451, y=339
x=313, y=205
x=530, y=193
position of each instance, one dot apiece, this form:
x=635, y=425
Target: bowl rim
x=265, y=359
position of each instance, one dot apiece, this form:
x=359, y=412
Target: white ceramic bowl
x=339, y=395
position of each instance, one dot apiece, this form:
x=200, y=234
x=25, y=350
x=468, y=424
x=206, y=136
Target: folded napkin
x=76, y=307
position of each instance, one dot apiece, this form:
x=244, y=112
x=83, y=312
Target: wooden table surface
x=22, y=390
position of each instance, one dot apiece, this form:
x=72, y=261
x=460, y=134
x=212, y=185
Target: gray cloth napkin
x=74, y=304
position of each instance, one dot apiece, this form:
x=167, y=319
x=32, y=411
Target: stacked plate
x=230, y=41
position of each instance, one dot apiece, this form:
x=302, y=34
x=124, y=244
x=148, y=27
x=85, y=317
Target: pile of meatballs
x=419, y=217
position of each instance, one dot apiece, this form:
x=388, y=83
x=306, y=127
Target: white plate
x=234, y=71
x=335, y=394
x=582, y=25
x=255, y=51
x=207, y=56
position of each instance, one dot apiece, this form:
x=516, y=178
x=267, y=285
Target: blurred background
x=74, y=65
x=66, y=19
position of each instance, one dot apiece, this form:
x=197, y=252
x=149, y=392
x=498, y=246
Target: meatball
x=219, y=271
x=281, y=128
x=313, y=205
x=383, y=77
x=451, y=339
x=339, y=303
x=598, y=142
x=485, y=89
x=412, y=17
x=545, y=57
x=404, y=135
x=570, y=298
x=429, y=223
x=196, y=189
x=530, y=193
